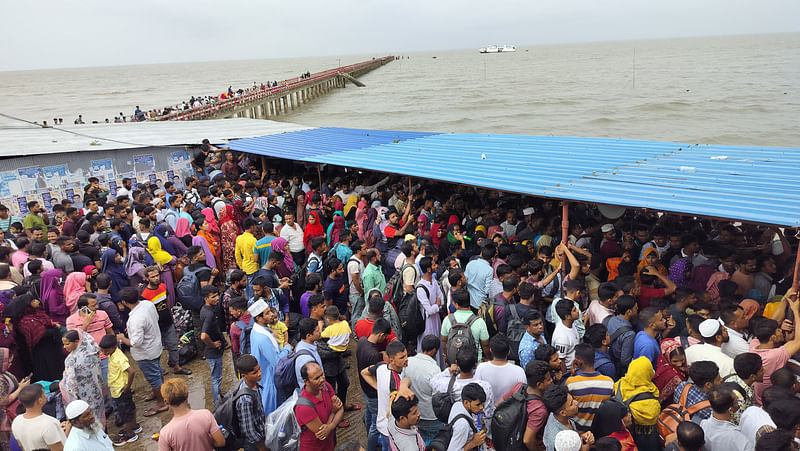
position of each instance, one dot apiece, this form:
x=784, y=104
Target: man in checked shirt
x=249, y=409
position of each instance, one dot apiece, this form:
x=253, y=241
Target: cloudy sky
x=52, y=34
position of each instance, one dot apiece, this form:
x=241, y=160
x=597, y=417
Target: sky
x=46, y=34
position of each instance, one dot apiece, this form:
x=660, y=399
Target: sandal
x=152, y=411
x=344, y=424
x=184, y=371
x=352, y=407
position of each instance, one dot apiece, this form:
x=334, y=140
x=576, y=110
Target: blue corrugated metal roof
x=758, y=184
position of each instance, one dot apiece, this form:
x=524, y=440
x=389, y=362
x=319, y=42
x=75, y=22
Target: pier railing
x=254, y=95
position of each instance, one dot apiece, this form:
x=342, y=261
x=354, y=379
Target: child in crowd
x=338, y=331
x=120, y=380
x=277, y=327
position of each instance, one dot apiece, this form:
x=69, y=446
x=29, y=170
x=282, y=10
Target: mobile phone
x=86, y=310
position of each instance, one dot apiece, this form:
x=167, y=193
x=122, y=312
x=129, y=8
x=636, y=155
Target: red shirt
x=364, y=328
x=322, y=409
x=648, y=293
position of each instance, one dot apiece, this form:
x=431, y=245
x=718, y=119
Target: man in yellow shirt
x=245, y=259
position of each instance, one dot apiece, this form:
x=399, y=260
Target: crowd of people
x=193, y=102
x=472, y=324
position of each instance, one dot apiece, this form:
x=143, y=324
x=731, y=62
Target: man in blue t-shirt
x=645, y=343
x=264, y=244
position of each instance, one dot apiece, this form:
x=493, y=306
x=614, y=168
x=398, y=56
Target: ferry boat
x=498, y=49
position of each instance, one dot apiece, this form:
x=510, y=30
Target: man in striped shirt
x=156, y=292
x=587, y=386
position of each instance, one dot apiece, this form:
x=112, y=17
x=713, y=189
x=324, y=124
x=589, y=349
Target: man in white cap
x=714, y=335
x=609, y=246
x=265, y=348
x=85, y=432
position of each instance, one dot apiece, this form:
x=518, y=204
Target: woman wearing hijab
x=137, y=260
x=8, y=340
x=300, y=212
x=167, y=263
x=74, y=287
x=240, y=213
x=183, y=231
x=213, y=226
x=651, y=259
x=712, y=286
x=9, y=390
x=202, y=240
x=82, y=377
x=313, y=229
x=681, y=272
x=229, y=230
x=361, y=214
x=287, y=266
x=337, y=225
x=365, y=228
x=169, y=242
x=645, y=409
x=113, y=267
x=422, y=226
x=612, y=420
x=37, y=336
x=350, y=207
x=52, y=296
x=671, y=369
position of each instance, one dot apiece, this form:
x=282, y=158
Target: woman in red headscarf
x=671, y=369
x=229, y=230
x=313, y=229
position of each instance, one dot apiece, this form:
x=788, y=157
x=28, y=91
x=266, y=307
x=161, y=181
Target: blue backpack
x=188, y=290
x=244, y=341
x=285, y=378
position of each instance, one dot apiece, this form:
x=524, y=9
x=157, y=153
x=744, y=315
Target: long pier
x=274, y=101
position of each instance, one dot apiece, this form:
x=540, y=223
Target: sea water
x=722, y=90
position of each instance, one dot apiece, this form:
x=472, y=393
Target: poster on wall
x=10, y=184
x=47, y=200
x=69, y=193
x=56, y=175
x=180, y=161
x=22, y=204
x=112, y=186
x=171, y=176
x=31, y=178
x=144, y=162
x=103, y=168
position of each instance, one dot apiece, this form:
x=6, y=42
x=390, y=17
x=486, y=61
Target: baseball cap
x=607, y=228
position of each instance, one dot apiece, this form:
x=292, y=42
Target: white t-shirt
x=39, y=432
x=383, y=376
x=754, y=418
x=501, y=378
x=705, y=351
x=565, y=339
x=354, y=266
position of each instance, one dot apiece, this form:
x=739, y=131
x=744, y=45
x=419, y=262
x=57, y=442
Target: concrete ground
x=200, y=397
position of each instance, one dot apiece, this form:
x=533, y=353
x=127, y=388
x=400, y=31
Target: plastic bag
x=282, y=430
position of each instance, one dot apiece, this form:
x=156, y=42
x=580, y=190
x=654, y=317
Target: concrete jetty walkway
x=288, y=95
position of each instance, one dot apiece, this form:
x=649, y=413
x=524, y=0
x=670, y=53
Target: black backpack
x=442, y=439
x=225, y=414
x=515, y=331
x=410, y=314
x=442, y=403
x=460, y=336
x=509, y=420
x=298, y=280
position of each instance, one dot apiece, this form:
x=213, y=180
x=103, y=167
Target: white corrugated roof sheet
x=33, y=140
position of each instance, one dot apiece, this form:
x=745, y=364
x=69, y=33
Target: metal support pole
x=564, y=240
x=796, y=279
